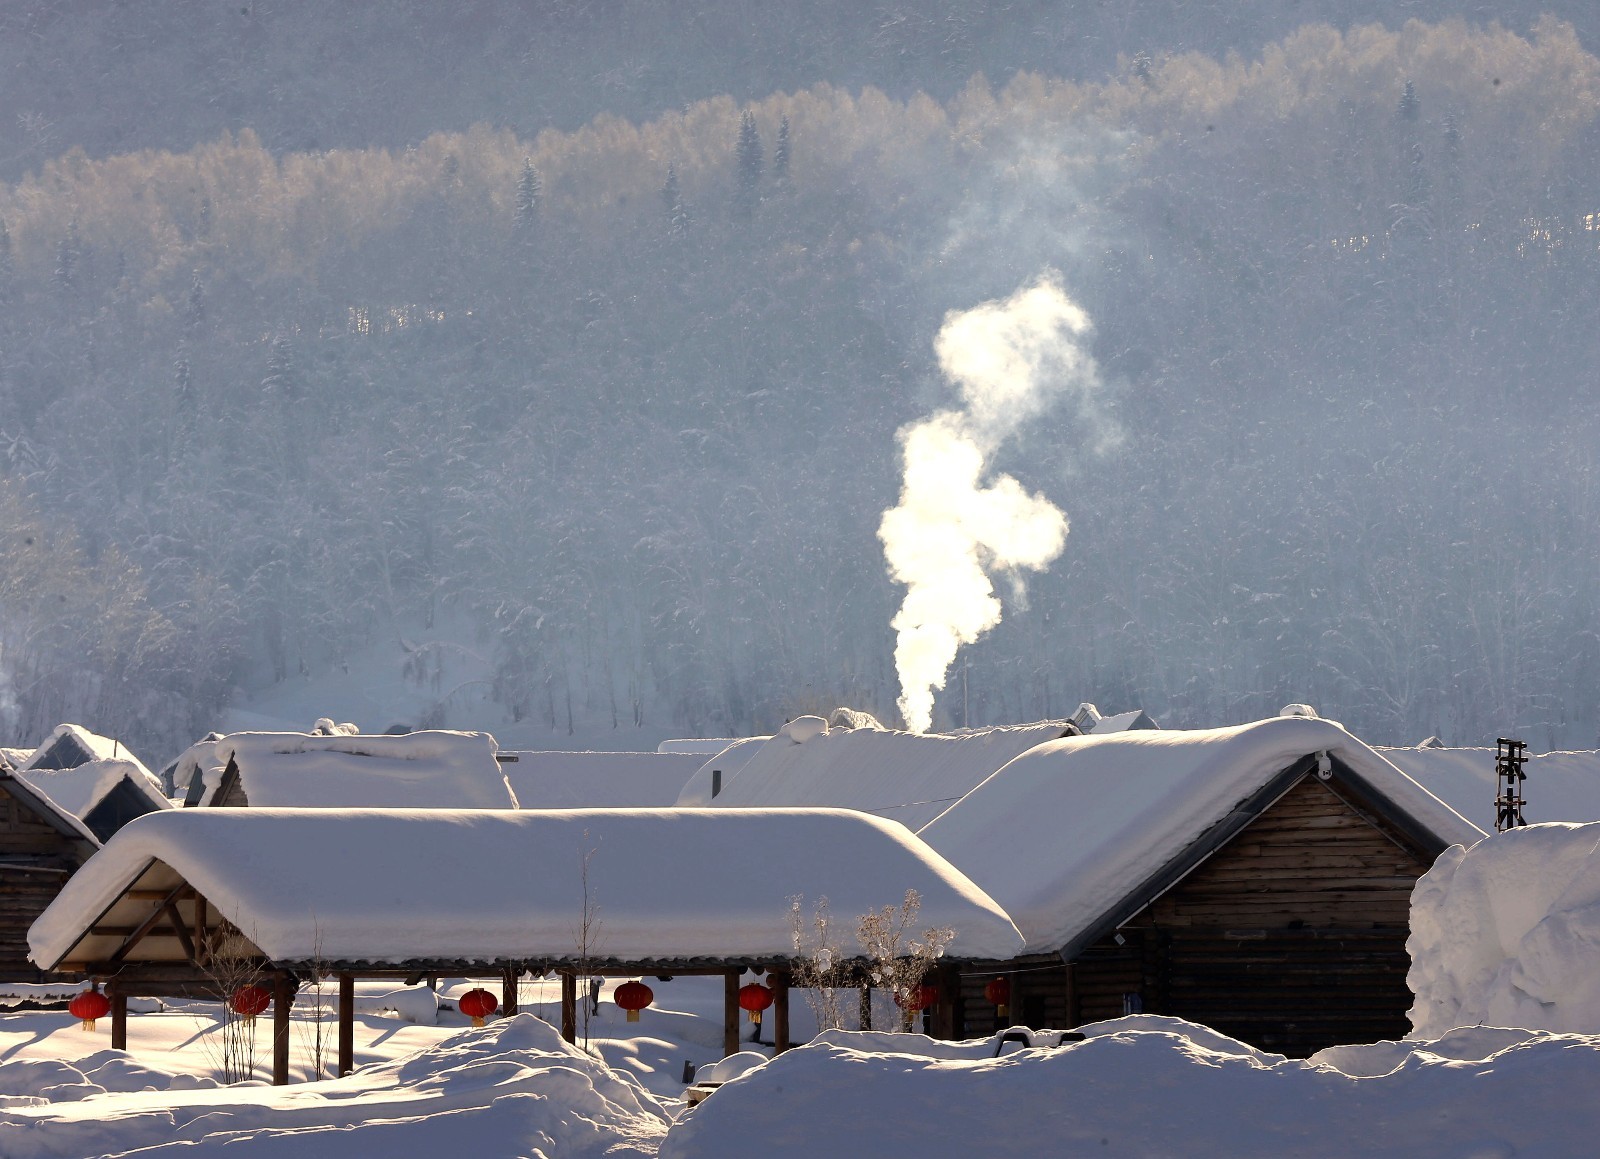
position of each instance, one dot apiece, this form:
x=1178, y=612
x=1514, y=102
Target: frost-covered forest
x=622, y=392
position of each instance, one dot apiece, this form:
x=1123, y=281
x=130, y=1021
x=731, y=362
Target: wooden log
x=569, y=1006
x=347, y=1024
x=282, y=1001
x=119, y=1018
x=730, y=1012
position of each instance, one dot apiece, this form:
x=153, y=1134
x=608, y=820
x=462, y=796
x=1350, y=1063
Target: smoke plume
x=955, y=529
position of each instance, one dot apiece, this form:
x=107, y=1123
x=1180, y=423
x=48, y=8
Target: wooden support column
x=730, y=1012
x=282, y=1001
x=946, y=1013
x=347, y=1024
x=1074, y=1004
x=779, y=981
x=569, y=1006
x=119, y=1018
x=508, y=990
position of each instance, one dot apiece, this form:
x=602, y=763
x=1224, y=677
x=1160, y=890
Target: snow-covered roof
x=419, y=770
x=705, y=747
x=550, y=780
x=1561, y=786
x=720, y=770
x=1067, y=831
x=63, y=820
x=485, y=885
x=70, y=745
x=906, y=777
x=82, y=789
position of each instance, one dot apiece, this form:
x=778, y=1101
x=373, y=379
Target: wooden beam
x=730, y=1012
x=569, y=1006
x=119, y=1018
x=149, y=923
x=180, y=931
x=202, y=947
x=347, y=1024
x=779, y=980
x=282, y=1001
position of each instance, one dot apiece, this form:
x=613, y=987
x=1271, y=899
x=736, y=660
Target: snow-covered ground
x=1138, y=1086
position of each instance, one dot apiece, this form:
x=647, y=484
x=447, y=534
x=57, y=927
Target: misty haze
x=592, y=373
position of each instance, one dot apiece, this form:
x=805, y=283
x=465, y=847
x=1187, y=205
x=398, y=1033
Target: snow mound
x=514, y=1088
x=1145, y=1086
x=1506, y=933
x=108, y=1070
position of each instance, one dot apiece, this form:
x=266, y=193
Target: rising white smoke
x=954, y=530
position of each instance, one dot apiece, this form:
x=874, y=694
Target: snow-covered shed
x=1561, y=786
x=598, y=780
x=903, y=776
x=419, y=770
x=468, y=892
x=41, y=845
x=1255, y=878
x=104, y=794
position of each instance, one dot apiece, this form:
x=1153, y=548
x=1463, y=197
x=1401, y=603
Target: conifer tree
x=748, y=155
x=672, y=199
x=529, y=192
x=69, y=253
x=780, y=152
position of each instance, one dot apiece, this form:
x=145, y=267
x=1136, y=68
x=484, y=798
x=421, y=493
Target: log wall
x=1291, y=937
x=36, y=859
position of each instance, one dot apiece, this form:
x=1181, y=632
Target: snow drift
x=1507, y=932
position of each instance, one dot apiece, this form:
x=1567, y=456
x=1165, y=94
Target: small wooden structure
x=41, y=846
x=188, y=902
x=1272, y=904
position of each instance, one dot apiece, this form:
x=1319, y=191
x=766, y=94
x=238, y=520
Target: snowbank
x=514, y=1088
x=1508, y=931
x=496, y=885
x=1066, y=831
x=1153, y=1087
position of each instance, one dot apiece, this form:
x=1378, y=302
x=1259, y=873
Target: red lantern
x=248, y=1001
x=88, y=1006
x=998, y=991
x=924, y=997
x=633, y=997
x=754, y=997
x=477, y=1004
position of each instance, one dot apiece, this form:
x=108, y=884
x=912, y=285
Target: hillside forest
x=623, y=398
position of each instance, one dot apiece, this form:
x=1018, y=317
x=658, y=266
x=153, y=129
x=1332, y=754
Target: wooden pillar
x=282, y=1000
x=119, y=1018
x=508, y=990
x=779, y=980
x=946, y=1013
x=864, y=1010
x=730, y=1012
x=1074, y=1003
x=569, y=1006
x=347, y=1024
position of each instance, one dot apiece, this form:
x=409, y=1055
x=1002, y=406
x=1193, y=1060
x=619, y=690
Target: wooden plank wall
x=1291, y=938
x=35, y=861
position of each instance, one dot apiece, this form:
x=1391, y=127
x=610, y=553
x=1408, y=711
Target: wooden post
x=946, y=1014
x=779, y=980
x=282, y=1000
x=119, y=1018
x=347, y=1024
x=508, y=990
x=864, y=1010
x=730, y=1012
x=569, y=1006
x=1074, y=1004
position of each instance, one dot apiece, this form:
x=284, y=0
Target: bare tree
x=819, y=968
x=898, y=959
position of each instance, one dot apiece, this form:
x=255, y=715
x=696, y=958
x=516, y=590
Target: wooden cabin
x=1256, y=880
x=41, y=846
